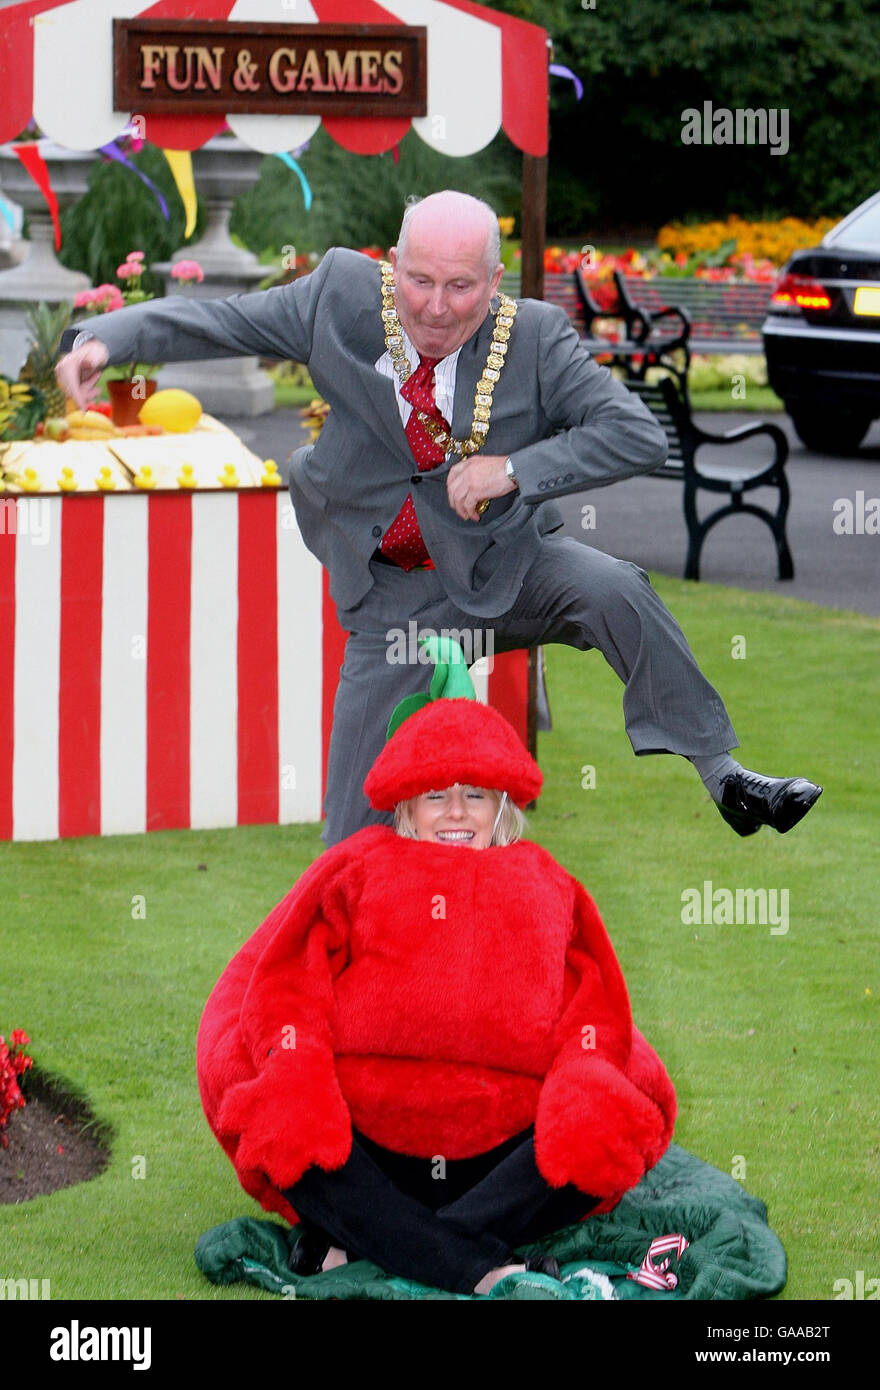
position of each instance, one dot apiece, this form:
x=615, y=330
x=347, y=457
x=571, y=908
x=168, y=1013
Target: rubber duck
x=271, y=477
x=186, y=477
x=67, y=482
x=30, y=481
x=105, y=480
x=144, y=478
x=229, y=477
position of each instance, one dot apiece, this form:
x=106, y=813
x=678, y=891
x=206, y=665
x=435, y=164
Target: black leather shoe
x=544, y=1264
x=749, y=801
x=308, y=1251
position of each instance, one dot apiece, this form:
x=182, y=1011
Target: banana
x=91, y=419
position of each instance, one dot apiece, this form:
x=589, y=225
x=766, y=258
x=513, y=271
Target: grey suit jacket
x=567, y=423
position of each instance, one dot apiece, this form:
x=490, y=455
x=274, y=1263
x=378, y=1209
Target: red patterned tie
x=403, y=541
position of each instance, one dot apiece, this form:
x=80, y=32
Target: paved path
x=641, y=519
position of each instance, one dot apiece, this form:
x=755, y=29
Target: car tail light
x=799, y=292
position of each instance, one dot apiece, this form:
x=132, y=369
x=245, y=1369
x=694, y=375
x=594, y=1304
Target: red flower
x=13, y=1063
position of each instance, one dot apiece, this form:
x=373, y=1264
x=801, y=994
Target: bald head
x=446, y=269
x=457, y=218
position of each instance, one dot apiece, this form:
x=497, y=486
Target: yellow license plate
x=867, y=300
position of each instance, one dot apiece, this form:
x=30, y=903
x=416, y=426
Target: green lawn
x=759, y=399
x=769, y=1038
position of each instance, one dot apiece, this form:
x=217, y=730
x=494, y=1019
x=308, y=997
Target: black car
x=822, y=334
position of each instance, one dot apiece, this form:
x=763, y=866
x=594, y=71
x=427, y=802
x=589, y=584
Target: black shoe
x=308, y=1250
x=544, y=1264
x=749, y=801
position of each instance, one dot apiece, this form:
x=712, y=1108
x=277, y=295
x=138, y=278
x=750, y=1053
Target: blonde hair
x=509, y=829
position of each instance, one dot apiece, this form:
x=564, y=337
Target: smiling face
x=443, y=283
x=460, y=815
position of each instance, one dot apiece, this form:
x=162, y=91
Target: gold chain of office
x=485, y=386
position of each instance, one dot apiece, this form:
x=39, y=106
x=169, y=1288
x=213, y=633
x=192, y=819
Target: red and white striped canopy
x=486, y=70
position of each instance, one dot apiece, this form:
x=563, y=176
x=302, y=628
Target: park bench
x=716, y=316
x=685, y=438
x=662, y=321
x=653, y=331
x=570, y=292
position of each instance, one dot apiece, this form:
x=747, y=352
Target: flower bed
x=772, y=242
x=723, y=252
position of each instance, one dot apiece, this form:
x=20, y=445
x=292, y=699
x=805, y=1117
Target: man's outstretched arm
x=275, y=323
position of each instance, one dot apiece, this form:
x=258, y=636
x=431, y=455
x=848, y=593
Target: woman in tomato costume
x=425, y=1055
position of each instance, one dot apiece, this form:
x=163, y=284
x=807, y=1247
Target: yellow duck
x=144, y=478
x=105, y=480
x=229, y=477
x=186, y=477
x=271, y=477
x=67, y=482
x=30, y=480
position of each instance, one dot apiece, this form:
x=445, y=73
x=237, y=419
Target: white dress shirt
x=444, y=379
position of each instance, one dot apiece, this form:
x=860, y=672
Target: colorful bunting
x=180, y=162
x=557, y=70
x=113, y=151
x=36, y=166
x=291, y=163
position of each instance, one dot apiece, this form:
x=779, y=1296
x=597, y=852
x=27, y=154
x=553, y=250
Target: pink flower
x=107, y=297
x=187, y=271
x=135, y=256
x=130, y=270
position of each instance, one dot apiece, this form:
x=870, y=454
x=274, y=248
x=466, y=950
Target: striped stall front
x=169, y=660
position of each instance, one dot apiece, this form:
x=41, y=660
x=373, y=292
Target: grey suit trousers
x=571, y=594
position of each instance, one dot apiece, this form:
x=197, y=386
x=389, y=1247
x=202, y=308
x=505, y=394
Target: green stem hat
x=448, y=736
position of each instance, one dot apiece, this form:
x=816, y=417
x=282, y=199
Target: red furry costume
x=440, y=998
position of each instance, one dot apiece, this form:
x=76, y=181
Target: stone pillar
x=38, y=276
x=222, y=169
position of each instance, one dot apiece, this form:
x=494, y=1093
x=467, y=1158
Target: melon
x=176, y=411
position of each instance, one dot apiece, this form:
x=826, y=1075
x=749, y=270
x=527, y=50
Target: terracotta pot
x=125, y=405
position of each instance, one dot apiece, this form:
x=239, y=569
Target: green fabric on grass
x=733, y=1254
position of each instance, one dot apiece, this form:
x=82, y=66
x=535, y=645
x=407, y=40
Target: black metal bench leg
x=696, y=532
x=786, y=563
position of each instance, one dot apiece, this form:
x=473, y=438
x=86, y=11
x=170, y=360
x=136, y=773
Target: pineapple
x=47, y=325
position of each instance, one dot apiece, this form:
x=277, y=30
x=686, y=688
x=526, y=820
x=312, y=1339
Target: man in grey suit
x=415, y=526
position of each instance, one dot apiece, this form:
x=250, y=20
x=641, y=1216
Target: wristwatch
x=508, y=468
x=82, y=337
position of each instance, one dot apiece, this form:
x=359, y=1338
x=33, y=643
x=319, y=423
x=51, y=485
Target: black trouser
x=444, y=1231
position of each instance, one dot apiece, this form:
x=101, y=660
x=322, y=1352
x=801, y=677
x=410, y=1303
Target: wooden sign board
x=176, y=67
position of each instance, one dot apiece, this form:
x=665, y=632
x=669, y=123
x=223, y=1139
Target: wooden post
x=534, y=225
x=534, y=222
